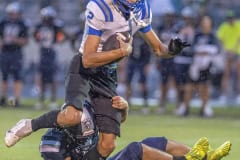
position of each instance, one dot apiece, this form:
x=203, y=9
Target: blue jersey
x=103, y=19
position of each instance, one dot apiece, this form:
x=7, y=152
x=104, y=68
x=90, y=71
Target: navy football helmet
x=126, y=7
x=48, y=12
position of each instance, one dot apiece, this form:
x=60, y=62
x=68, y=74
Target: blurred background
x=144, y=79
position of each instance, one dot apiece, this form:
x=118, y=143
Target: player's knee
x=69, y=116
x=106, y=144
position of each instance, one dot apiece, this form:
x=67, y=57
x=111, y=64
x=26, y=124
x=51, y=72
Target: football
x=112, y=42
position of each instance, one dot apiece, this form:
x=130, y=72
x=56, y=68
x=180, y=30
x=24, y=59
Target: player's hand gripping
x=176, y=45
x=119, y=103
x=125, y=44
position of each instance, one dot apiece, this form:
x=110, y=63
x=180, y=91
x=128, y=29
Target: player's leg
x=174, y=148
x=226, y=74
x=149, y=153
x=108, y=121
x=42, y=86
x=238, y=80
x=77, y=89
x=164, y=72
x=180, y=76
x=16, y=67
x=140, y=151
x=163, y=144
x=129, y=76
x=52, y=80
x=143, y=71
x=206, y=110
x=203, y=88
x=5, y=72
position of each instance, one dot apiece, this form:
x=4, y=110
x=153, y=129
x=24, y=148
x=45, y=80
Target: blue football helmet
x=126, y=7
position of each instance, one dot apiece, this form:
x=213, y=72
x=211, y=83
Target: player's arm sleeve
x=94, y=20
x=147, y=12
x=24, y=31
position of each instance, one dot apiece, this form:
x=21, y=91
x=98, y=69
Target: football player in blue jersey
x=93, y=72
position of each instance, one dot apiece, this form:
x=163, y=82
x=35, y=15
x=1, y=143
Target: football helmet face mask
x=125, y=6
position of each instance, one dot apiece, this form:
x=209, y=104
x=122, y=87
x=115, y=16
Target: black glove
x=176, y=45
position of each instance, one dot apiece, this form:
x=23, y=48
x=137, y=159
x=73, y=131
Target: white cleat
x=208, y=111
x=22, y=129
x=182, y=109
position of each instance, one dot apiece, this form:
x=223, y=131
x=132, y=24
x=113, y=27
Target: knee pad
x=159, y=143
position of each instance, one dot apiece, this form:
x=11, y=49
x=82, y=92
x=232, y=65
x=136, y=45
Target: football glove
x=176, y=45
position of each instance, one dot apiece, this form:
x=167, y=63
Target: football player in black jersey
x=13, y=35
x=47, y=33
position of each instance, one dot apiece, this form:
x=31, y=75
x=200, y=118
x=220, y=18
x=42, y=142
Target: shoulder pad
x=100, y=9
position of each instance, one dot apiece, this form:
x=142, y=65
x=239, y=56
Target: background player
x=138, y=62
x=13, y=35
x=103, y=19
x=47, y=33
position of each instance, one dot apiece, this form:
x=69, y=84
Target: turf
x=225, y=126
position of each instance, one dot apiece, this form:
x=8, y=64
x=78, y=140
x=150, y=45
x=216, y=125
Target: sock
x=47, y=120
x=179, y=158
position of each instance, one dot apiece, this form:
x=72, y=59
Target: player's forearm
x=162, y=51
x=91, y=60
x=159, y=48
x=21, y=41
x=124, y=115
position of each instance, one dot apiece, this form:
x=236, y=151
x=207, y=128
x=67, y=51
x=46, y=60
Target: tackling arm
x=120, y=103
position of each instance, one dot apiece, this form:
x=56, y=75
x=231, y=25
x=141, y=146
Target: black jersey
x=47, y=34
x=205, y=42
x=9, y=30
x=141, y=51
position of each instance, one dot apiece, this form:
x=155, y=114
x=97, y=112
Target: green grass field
x=224, y=126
